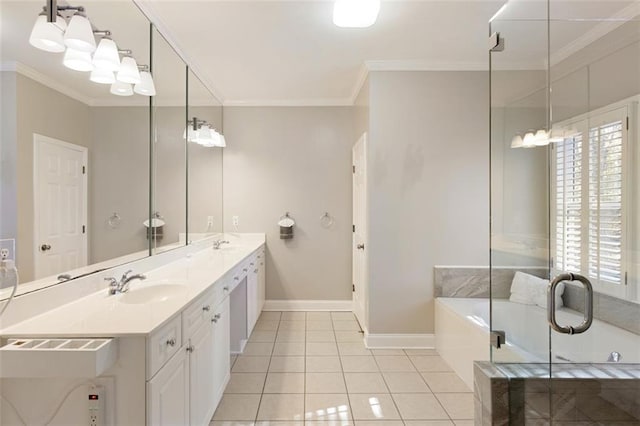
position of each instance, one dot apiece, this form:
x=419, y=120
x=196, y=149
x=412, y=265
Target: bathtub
x=462, y=335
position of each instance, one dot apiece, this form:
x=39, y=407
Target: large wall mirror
x=95, y=175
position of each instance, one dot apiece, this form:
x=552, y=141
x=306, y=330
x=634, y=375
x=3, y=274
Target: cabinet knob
x=45, y=247
x=171, y=342
x=236, y=278
x=190, y=348
x=259, y=256
x=214, y=319
x=226, y=288
x=251, y=264
x=244, y=269
x=206, y=308
x=255, y=271
x=217, y=316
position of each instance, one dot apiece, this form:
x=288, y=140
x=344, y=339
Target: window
x=588, y=200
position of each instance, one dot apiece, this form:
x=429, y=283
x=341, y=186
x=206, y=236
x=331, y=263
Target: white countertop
x=103, y=315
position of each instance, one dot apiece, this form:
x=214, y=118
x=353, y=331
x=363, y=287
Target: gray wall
x=428, y=185
x=294, y=159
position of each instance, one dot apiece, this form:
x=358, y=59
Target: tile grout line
x=395, y=404
x=433, y=393
x=344, y=379
x=264, y=385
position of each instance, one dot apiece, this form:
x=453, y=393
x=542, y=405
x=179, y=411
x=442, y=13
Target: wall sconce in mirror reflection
x=533, y=138
x=67, y=29
x=202, y=133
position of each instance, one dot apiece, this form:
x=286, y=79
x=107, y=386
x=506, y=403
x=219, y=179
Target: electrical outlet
x=96, y=406
x=8, y=248
x=236, y=221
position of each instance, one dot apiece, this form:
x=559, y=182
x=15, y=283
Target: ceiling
x=262, y=52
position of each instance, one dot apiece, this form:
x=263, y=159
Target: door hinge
x=354, y=169
x=626, y=278
x=354, y=228
x=353, y=287
x=84, y=229
x=627, y=123
x=84, y=170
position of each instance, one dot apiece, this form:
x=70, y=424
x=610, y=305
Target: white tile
x=394, y=363
x=320, y=336
x=329, y=423
x=352, y=348
x=458, y=405
x=373, y=406
x=358, y=364
x=419, y=406
x=405, y=382
x=279, y=423
x=365, y=383
x=246, y=383
x=429, y=423
x=431, y=352
x=288, y=349
x=237, y=407
x=349, y=336
x=397, y=352
x=284, y=383
x=287, y=364
x=281, y=407
x=445, y=382
x=343, y=316
x=292, y=325
x=258, y=349
x=290, y=336
x=231, y=423
x=346, y=325
x=469, y=423
x=323, y=364
x=320, y=325
x=251, y=364
x=270, y=316
x=327, y=407
x=325, y=383
x=293, y=316
x=379, y=423
x=262, y=336
x=318, y=316
x=266, y=325
x=429, y=363
x=322, y=348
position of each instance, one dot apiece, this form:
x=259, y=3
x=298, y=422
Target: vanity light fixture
x=120, y=88
x=128, y=72
x=355, y=13
x=146, y=86
x=106, y=56
x=517, y=141
x=102, y=76
x=201, y=132
x=48, y=36
x=541, y=138
x=77, y=60
x=529, y=140
x=79, y=34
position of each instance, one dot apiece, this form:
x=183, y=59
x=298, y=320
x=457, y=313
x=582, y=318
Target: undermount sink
x=152, y=294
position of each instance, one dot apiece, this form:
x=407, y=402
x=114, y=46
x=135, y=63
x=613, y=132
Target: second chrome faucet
x=122, y=286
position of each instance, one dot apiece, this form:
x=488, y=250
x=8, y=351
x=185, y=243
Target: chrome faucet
x=122, y=286
x=218, y=243
x=614, y=357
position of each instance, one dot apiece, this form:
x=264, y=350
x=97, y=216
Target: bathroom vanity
x=163, y=348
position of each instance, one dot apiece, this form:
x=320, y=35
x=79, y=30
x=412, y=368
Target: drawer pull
x=236, y=278
x=226, y=288
x=244, y=269
x=251, y=264
x=255, y=271
x=214, y=319
x=259, y=256
x=261, y=263
x=217, y=316
x=171, y=342
x=206, y=308
x=190, y=348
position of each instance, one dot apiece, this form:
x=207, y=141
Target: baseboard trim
x=308, y=305
x=400, y=341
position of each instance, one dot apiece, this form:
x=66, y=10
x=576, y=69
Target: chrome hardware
x=218, y=243
x=206, y=308
x=45, y=247
x=255, y=271
x=64, y=277
x=236, y=278
x=498, y=338
x=261, y=263
x=113, y=284
x=588, y=304
x=190, y=348
x=244, y=269
x=225, y=288
x=122, y=286
x=171, y=342
x=360, y=246
x=614, y=357
x=251, y=264
x=217, y=316
x=259, y=257
x=496, y=43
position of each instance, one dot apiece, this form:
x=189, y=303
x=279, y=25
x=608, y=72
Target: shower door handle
x=588, y=305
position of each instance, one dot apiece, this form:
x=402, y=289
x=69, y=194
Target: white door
x=168, y=393
x=360, y=231
x=201, y=365
x=60, y=206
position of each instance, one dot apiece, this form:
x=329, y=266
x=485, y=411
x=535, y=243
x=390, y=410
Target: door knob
x=45, y=247
x=360, y=246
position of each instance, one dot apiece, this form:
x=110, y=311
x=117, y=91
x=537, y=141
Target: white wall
x=428, y=189
x=8, y=157
x=296, y=159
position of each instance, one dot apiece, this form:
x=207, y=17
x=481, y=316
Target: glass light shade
x=517, y=142
x=355, y=13
x=128, y=72
x=102, y=76
x=205, y=136
x=48, y=36
x=121, y=89
x=79, y=34
x=222, y=142
x=77, y=60
x=190, y=134
x=106, y=56
x=541, y=138
x=146, y=86
x=529, y=140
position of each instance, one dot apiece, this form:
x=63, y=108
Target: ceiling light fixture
x=79, y=34
x=119, y=88
x=77, y=60
x=146, y=86
x=128, y=72
x=102, y=76
x=106, y=55
x=48, y=36
x=355, y=13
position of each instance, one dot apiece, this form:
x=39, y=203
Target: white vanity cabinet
x=255, y=288
x=168, y=392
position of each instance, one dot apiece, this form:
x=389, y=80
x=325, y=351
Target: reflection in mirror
x=205, y=164
x=74, y=155
x=571, y=200
x=169, y=114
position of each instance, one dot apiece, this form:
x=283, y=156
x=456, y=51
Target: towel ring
x=326, y=221
x=114, y=220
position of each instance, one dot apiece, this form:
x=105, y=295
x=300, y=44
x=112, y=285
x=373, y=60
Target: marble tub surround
x=83, y=308
x=473, y=281
x=615, y=311
x=572, y=393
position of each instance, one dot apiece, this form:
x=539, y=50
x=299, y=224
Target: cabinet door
x=221, y=349
x=168, y=393
x=201, y=366
x=252, y=301
x=262, y=282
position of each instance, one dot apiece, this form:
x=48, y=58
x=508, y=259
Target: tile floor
x=313, y=368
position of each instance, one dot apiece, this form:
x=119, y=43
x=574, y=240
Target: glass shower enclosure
x=565, y=210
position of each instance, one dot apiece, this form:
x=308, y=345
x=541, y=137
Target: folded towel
x=531, y=290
